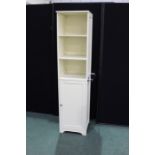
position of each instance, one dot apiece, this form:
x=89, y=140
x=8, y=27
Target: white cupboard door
x=73, y=96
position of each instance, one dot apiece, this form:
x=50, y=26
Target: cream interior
x=72, y=24
x=72, y=41
x=73, y=68
x=72, y=46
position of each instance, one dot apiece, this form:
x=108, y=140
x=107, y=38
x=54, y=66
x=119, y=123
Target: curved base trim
x=77, y=129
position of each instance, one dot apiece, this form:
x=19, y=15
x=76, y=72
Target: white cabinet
x=74, y=50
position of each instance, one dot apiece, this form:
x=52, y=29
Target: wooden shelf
x=80, y=12
x=72, y=58
x=72, y=76
x=72, y=35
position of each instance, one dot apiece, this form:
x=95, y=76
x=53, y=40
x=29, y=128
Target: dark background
x=110, y=60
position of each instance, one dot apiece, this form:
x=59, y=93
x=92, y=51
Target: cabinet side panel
x=90, y=26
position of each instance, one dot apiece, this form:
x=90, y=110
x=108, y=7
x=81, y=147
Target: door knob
x=89, y=79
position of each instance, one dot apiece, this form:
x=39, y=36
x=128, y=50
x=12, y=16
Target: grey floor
x=43, y=138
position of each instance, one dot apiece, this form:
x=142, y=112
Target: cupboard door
x=73, y=97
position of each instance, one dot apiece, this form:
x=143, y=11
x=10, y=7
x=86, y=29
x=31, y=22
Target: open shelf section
x=72, y=69
x=72, y=46
x=74, y=23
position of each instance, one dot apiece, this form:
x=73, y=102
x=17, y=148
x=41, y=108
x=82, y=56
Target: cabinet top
x=68, y=12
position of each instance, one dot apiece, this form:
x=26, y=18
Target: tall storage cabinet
x=74, y=51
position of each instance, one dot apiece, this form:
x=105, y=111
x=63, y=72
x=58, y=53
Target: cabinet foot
x=61, y=131
x=84, y=134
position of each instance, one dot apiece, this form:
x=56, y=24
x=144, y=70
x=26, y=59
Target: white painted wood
x=74, y=47
x=72, y=57
x=73, y=105
x=72, y=35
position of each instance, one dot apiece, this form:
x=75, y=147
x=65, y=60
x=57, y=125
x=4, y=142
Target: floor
x=43, y=138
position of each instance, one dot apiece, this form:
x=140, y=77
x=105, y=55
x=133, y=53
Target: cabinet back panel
x=69, y=67
x=72, y=24
x=72, y=46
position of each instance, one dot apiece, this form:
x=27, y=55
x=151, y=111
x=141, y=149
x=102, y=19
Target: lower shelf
x=73, y=76
x=72, y=68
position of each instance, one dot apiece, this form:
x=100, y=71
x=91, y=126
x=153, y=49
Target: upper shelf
x=74, y=24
